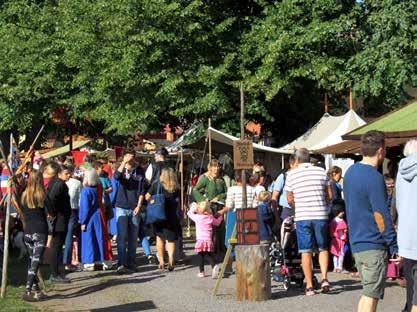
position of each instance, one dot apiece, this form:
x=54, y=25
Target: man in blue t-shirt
x=371, y=232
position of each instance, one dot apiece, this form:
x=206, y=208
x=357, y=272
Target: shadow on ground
x=129, y=307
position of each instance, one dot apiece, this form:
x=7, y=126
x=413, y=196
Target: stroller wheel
x=300, y=283
x=286, y=283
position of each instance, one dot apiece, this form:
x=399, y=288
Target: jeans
x=127, y=226
x=312, y=233
x=144, y=242
x=73, y=222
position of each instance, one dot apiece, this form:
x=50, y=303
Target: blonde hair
x=410, y=148
x=34, y=195
x=264, y=196
x=203, y=207
x=91, y=178
x=168, y=180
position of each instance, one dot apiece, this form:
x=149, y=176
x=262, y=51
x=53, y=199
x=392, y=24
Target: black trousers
x=35, y=243
x=410, y=273
x=58, y=240
x=201, y=257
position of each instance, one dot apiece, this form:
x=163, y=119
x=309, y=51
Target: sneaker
x=107, y=265
x=28, y=296
x=200, y=274
x=59, y=280
x=215, y=271
x=39, y=296
x=151, y=259
x=131, y=270
x=121, y=269
x=89, y=267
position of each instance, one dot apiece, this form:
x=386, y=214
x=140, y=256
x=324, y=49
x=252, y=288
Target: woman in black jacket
x=36, y=232
x=59, y=212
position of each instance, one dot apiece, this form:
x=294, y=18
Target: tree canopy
x=126, y=65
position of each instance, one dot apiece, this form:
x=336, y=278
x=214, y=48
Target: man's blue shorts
x=312, y=234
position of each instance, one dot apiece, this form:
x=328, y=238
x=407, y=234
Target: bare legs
x=367, y=304
x=307, y=264
x=160, y=247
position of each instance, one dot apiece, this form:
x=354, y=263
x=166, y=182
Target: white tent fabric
x=219, y=136
x=64, y=149
x=327, y=131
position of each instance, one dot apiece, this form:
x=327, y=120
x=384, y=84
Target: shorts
x=312, y=234
x=372, y=269
x=410, y=272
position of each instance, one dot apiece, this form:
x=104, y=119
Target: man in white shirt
x=74, y=189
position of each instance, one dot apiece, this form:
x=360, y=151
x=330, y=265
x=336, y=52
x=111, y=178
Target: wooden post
x=6, y=225
x=242, y=136
x=252, y=263
x=182, y=178
x=209, y=139
x=326, y=104
x=350, y=99
x=253, y=277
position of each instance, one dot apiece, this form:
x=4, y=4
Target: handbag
x=155, y=211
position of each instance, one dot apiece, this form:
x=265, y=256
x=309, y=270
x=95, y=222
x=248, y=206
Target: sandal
x=310, y=292
x=325, y=286
x=161, y=266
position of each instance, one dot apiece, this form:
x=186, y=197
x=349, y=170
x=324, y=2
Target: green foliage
x=126, y=65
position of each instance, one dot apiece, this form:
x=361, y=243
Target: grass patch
x=16, y=287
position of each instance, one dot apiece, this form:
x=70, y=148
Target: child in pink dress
x=204, y=220
x=338, y=234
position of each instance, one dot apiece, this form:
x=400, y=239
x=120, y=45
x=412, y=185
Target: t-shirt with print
x=308, y=184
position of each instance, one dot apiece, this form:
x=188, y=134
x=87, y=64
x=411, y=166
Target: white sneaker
x=215, y=272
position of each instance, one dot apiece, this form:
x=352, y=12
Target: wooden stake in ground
x=253, y=273
x=7, y=224
x=253, y=278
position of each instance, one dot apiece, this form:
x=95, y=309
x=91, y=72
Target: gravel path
x=181, y=290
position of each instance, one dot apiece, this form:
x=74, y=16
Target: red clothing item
x=108, y=252
x=107, y=168
x=338, y=233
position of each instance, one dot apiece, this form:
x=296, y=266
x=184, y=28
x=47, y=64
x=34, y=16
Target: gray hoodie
x=406, y=192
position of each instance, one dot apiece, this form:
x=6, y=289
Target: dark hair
x=61, y=158
x=371, y=141
x=129, y=151
x=303, y=155
x=338, y=207
x=97, y=164
x=162, y=152
x=254, y=179
x=63, y=168
x=53, y=167
x=70, y=168
x=292, y=159
x=238, y=176
x=214, y=163
x=334, y=170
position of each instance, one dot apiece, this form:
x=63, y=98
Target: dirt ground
x=181, y=290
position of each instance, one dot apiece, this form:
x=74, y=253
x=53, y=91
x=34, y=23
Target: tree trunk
x=253, y=274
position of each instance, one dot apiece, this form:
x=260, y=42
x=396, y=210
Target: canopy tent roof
x=195, y=137
x=64, y=149
x=400, y=123
x=327, y=131
x=354, y=146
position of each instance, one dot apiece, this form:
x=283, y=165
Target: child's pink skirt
x=204, y=246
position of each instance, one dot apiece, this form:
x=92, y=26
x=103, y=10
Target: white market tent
x=195, y=137
x=64, y=149
x=327, y=131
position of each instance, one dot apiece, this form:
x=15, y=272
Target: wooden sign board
x=243, y=154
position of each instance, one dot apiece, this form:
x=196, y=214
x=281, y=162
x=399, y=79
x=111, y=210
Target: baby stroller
x=284, y=259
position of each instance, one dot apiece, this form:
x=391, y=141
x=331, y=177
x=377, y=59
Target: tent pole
x=326, y=103
x=350, y=99
x=209, y=139
x=282, y=162
x=7, y=220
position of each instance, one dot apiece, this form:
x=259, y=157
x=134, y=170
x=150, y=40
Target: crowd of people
x=362, y=221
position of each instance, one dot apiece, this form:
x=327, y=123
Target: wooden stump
x=253, y=274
